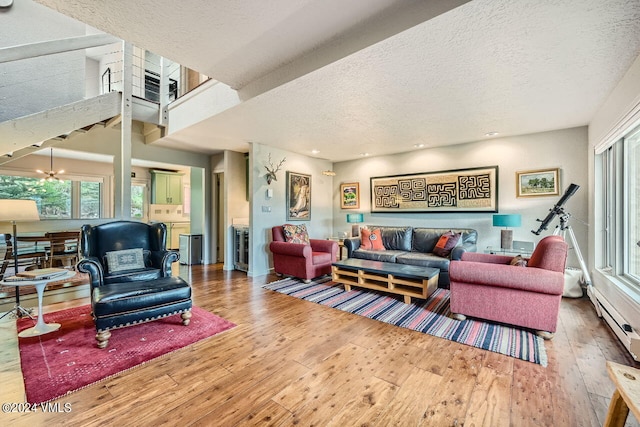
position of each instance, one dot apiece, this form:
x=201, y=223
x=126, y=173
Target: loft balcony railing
x=150, y=73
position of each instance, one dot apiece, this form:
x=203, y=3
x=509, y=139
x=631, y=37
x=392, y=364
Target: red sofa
x=300, y=260
x=488, y=287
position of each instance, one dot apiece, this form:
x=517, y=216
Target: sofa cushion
x=446, y=243
x=371, y=240
x=296, y=233
x=320, y=257
x=425, y=239
x=423, y=260
x=142, y=274
x=384, y=256
x=397, y=238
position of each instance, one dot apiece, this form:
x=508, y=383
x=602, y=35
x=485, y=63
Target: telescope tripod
x=561, y=230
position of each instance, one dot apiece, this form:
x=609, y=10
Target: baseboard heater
x=625, y=333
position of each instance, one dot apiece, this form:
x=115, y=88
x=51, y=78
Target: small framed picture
x=543, y=182
x=350, y=195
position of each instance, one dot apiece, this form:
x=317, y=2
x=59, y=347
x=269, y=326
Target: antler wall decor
x=271, y=170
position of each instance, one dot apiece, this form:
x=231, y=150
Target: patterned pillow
x=371, y=239
x=128, y=259
x=446, y=243
x=518, y=261
x=296, y=233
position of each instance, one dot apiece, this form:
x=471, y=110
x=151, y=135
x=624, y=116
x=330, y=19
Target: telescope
x=557, y=209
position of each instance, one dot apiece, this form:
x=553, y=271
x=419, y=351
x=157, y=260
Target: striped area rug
x=431, y=316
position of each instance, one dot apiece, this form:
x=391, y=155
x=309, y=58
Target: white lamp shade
x=18, y=210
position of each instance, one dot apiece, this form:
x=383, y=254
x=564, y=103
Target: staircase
x=20, y=136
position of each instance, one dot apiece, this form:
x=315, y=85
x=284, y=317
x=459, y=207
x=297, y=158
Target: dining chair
x=63, y=247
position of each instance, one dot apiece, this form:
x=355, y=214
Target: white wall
x=320, y=225
x=235, y=196
x=565, y=149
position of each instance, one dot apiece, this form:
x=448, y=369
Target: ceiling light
x=418, y=145
x=10, y=154
x=329, y=173
x=364, y=154
x=51, y=175
x=315, y=151
x=492, y=133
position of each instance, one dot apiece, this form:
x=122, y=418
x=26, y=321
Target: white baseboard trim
x=618, y=324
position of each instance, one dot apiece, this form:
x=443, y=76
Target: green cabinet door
x=166, y=188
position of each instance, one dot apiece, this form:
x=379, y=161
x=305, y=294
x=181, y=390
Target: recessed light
x=493, y=133
x=418, y=145
x=315, y=151
x=364, y=154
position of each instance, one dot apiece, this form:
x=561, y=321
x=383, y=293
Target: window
x=619, y=166
x=138, y=195
x=90, y=199
x=63, y=199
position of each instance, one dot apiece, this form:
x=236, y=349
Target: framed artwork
x=298, y=196
x=543, y=182
x=462, y=190
x=350, y=195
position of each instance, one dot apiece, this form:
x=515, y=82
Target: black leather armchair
x=148, y=292
x=96, y=241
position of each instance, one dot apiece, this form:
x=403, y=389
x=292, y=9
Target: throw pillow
x=518, y=261
x=371, y=239
x=446, y=243
x=296, y=233
x=128, y=259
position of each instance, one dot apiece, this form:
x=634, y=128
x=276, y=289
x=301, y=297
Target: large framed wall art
x=462, y=190
x=298, y=196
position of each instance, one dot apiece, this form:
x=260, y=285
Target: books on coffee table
x=42, y=274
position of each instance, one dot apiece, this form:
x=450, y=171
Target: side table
x=40, y=328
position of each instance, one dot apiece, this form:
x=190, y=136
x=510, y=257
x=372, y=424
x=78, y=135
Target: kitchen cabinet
x=166, y=188
x=174, y=230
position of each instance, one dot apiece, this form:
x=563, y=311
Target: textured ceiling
x=380, y=76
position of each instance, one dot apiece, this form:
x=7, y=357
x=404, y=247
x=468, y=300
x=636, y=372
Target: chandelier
x=51, y=175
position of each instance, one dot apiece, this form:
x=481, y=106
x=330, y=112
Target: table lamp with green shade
x=506, y=235
x=14, y=211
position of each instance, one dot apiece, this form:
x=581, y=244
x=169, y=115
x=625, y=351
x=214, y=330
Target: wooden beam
x=50, y=47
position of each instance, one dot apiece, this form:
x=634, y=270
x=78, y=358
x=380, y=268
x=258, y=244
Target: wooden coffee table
x=401, y=279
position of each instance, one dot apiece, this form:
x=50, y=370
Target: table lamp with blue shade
x=506, y=235
x=355, y=219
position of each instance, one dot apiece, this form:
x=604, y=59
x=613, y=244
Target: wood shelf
x=418, y=287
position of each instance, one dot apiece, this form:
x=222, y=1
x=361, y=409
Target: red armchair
x=301, y=260
x=488, y=287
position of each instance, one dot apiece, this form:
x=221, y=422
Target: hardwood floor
x=291, y=362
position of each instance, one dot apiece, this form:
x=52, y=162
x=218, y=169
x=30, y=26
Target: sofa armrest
x=319, y=245
x=458, y=251
x=162, y=260
x=507, y=276
x=93, y=267
x=291, y=249
x=351, y=244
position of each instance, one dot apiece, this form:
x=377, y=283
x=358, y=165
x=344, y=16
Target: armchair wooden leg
x=103, y=338
x=186, y=318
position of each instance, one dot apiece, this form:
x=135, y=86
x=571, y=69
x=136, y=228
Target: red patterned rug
x=61, y=362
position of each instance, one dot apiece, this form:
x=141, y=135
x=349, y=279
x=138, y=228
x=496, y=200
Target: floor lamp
x=13, y=210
